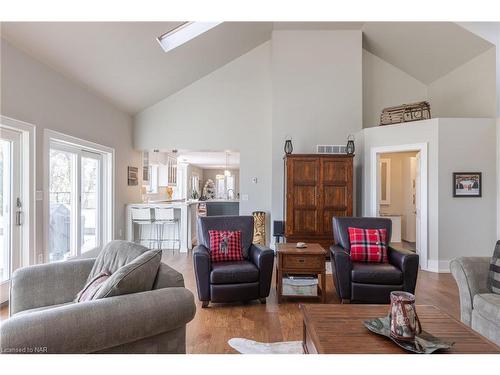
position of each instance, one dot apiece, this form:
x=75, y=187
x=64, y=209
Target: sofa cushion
x=368, y=245
x=225, y=245
x=90, y=290
x=135, y=277
x=488, y=306
x=114, y=255
x=340, y=225
x=494, y=274
x=234, y=272
x=376, y=273
x=243, y=223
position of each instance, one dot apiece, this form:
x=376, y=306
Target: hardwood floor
x=213, y=327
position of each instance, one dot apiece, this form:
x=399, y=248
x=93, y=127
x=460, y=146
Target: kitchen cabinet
x=167, y=172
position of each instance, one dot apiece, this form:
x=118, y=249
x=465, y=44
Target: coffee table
x=308, y=261
x=339, y=329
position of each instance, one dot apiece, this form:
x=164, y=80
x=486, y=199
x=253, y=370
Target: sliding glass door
x=75, y=201
x=10, y=199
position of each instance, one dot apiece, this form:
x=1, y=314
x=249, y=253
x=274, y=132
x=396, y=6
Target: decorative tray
x=424, y=343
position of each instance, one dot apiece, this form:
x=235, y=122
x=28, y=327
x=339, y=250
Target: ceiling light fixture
x=184, y=33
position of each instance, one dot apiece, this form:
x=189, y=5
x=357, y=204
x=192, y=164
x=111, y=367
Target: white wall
x=467, y=226
x=409, y=133
x=468, y=91
x=384, y=85
x=317, y=94
x=34, y=93
x=456, y=226
x=229, y=109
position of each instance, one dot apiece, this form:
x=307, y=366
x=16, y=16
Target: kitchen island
x=184, y=211
x=187, y=213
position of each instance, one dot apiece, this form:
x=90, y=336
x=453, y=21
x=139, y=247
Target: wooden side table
x=309, y=261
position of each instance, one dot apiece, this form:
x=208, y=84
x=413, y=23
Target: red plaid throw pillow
x=225, y=245
x=368, y=245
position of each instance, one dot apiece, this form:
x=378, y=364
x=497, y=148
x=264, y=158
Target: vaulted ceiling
x=123, y=62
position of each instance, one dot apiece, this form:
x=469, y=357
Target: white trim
x=441, y=266
x=108, y=181
x=387, y=200
x=424, y=202
x=28, y=255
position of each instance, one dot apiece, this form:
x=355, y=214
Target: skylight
x=184, y=33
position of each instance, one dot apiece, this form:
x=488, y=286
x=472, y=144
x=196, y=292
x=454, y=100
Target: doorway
x=16, y=199
x=399, y=178
x=78, y=210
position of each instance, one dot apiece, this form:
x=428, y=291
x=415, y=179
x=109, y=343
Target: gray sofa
x=479, y=308
x=43, y=317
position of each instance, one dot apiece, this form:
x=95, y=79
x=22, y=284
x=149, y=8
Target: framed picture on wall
x=132, y=176
x=467, y=184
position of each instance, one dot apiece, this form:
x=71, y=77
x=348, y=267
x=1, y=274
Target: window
x=153, y=179
x=79, y=205
x=230, y=187
x=195, y=185
x=220, y=186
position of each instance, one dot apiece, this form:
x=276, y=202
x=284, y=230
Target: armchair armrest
x=407, y=262
x=471, y=275
x=202, y=268
x=263, y=258
x=48, y=284
x=92, y=326
x=341, y=268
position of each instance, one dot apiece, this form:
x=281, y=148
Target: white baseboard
x=440, y=266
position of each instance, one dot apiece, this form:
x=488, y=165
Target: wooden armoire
x=317, y=187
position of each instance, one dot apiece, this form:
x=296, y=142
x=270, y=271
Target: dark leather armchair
x=360, y=282
x=237, y=280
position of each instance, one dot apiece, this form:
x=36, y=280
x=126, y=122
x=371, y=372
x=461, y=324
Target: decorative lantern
x=350, y=145
x=288, y=147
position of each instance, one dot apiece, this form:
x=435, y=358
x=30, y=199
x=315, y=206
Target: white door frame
x=108, y=183
x=27, y=254
x=424, y=229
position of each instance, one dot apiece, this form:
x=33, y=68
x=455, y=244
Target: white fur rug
x=245, y=346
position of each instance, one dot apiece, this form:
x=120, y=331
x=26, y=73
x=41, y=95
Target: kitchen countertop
x=182, y=202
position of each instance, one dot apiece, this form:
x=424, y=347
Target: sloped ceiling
x=424, y=50
x=123, y=62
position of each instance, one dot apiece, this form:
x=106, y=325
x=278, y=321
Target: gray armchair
x=479, y=308
x=244, y=280
x=43, y=317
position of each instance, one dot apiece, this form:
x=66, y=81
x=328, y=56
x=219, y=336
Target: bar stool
x=142, y=216
x=166, y=217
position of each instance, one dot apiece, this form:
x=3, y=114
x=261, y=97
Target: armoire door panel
x=305, y=196
x=305, y=171
x=334, y=196
x=305, y=221
x=328, y=219
x=334, y=170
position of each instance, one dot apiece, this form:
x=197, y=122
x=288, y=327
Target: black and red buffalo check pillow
x=225, y=245
x=368, y=245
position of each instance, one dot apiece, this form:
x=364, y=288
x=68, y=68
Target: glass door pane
x=62, y=204
x=90, y=202
x=5, y=208
x=10, y=195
